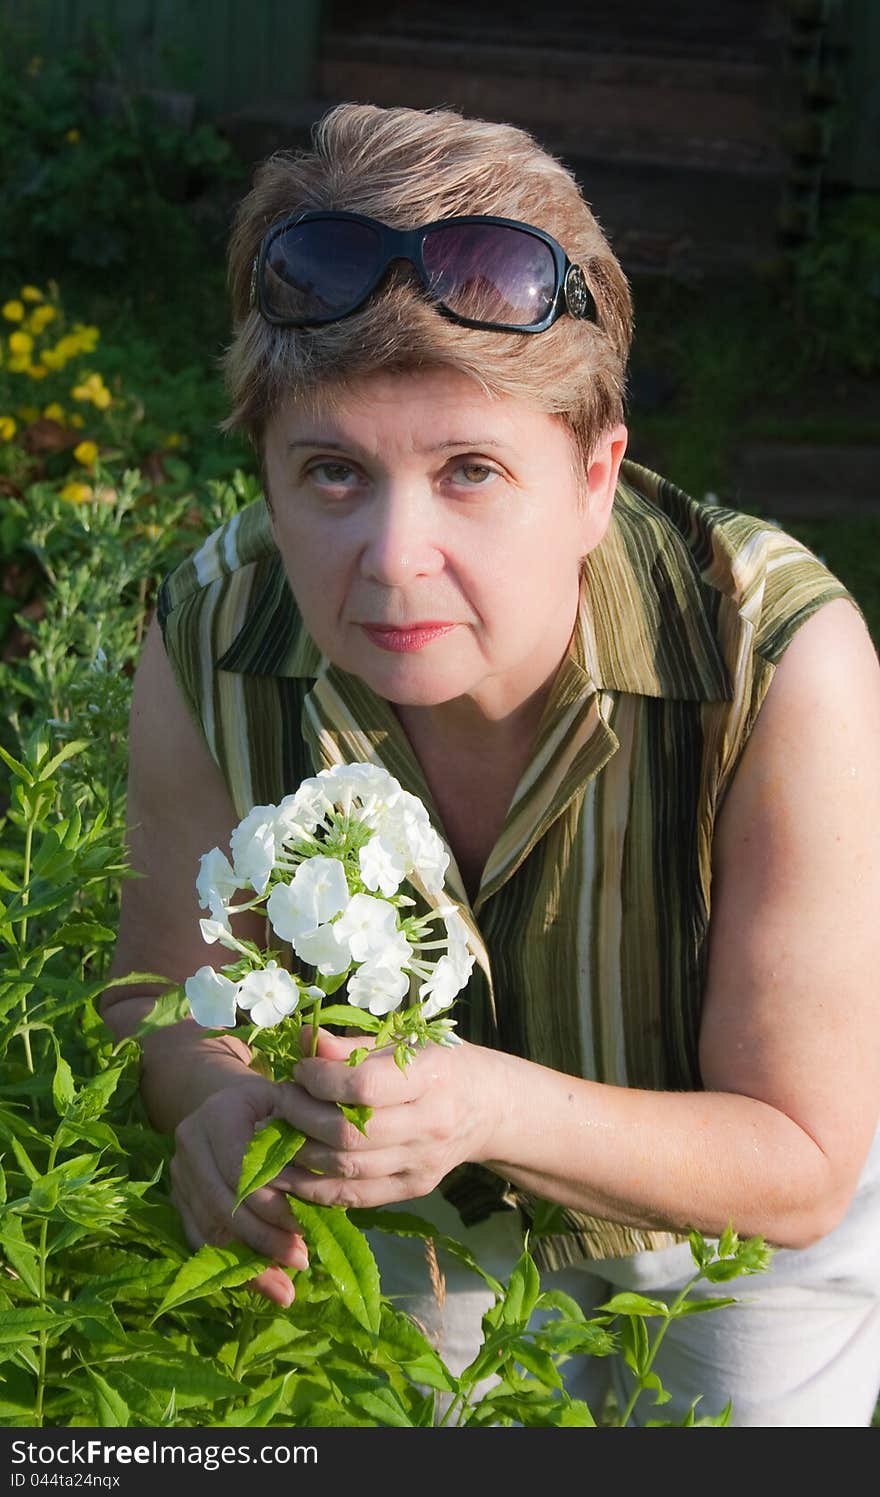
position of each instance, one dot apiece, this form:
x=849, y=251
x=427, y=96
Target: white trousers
x=799, y=1349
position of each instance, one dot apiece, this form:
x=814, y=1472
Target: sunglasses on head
x=481, y=271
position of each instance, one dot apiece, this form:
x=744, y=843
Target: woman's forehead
x=436, y=406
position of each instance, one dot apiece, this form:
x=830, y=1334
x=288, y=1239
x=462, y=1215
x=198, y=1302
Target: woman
x=646, y=727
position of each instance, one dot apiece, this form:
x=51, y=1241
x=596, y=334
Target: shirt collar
x=647, y=620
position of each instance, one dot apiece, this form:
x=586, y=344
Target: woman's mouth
x=402, y=638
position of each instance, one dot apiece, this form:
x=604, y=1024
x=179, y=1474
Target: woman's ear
x=601, y=483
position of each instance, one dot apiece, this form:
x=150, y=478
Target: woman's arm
x=790, y=1037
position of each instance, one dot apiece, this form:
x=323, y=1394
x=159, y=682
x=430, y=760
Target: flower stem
x=43, y=1334
x=25, y=894
x=670, y=1316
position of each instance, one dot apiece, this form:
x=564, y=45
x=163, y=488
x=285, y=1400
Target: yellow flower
x=86, y=336
x=20, y=343
x=36, y=371
x=76, y=420
x=72, y=136
x=32, y=293
x=13, y=311
x=41, y=317
x=54, y=411
x=76, y=493
x=20, y=364
x=93, y=388
x=85, y=453
x=51, y=358
x=8, y=428
x=173, y=439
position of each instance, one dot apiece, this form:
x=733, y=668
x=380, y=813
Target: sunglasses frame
x=571, y=295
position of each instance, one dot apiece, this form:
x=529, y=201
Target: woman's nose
x=400, y=543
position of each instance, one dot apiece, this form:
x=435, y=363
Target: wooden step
x=725, y=114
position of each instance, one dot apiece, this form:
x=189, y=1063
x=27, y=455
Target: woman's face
x=433, y=536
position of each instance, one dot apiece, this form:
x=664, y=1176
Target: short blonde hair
x=407, y=167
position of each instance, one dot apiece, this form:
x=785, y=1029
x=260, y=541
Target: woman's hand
x=441, y=1110
x=210, y=1145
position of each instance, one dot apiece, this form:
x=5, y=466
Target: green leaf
x=575, y=1414
x=169, y=1007
x=95, y=1095
x=696, y=1306
x=189, y=1377
x=522, y=1292
x=634, y=1304
x=407, y=1224
x=539, y=1363
x=344, y=1252
x=63, y=1089
x=403, y=1343
x=359, y=1116
x=651, y=1383
x=110, y=1406
x=727, y=1241
x=346, y=1014
x=24, y=1162
x=18, y=769
x=21, y=1255
x=634, y=1343
x=210, y=1270
x=271, y=1148
x=383, y=1406
x=258, y=1415
x=83, y=933
x=69, y=751
x=700, y=1249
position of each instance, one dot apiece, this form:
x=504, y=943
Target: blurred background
x=731, y=151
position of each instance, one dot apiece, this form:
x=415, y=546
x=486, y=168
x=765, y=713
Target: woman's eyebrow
x=331, y=444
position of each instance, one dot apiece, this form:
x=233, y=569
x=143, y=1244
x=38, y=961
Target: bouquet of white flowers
x=329, y=866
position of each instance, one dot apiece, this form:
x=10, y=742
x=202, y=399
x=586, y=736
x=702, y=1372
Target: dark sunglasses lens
x=319, y=270
x=491, y=273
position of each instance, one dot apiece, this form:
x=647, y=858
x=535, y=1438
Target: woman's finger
x=207, y=1202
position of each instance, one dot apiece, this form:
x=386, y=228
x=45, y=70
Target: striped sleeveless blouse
x=592, y=916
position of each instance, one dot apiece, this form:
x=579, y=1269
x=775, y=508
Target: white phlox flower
x=255, y=844
x=452, y=972
x=430, y=857
x=378, y=988
x=300, y=912
x=405, y=842
x=216, y=884
x=321, y=949
x=383, y=866
x=218, y=930
x=368, y=928
x=372, y=785
x=269, y=995
x=300, y=814
x=212, y=998
x=317, y=892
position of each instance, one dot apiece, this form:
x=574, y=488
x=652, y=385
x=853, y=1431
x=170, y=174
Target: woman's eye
x=473, y=474
x=333, y=475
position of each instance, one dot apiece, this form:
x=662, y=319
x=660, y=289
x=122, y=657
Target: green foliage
x=837, y=286
x=90, y=171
